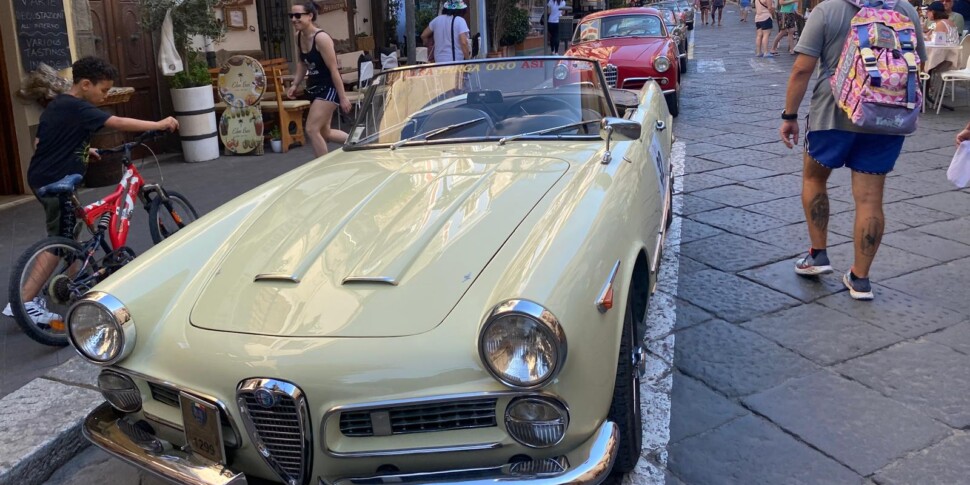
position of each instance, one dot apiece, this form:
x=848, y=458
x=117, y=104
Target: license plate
x=203, y=430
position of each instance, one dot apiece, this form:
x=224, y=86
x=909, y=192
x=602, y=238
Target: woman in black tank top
x=318, y=64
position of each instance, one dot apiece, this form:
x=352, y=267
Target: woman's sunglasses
x=298, y=15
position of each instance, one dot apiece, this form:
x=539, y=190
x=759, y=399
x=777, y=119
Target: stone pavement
x=207, y=185
x=784, y=380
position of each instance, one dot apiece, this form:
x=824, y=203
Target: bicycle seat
x=65, y=185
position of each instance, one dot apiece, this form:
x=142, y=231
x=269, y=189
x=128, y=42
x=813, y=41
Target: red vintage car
x=633, y=47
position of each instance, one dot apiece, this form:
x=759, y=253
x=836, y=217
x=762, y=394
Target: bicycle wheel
x=166, y=218
x=52, y=274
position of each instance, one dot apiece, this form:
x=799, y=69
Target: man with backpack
x=855, y=127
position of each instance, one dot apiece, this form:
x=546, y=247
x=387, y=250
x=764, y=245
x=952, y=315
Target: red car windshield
x=619, y=26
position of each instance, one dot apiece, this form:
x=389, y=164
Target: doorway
x=275, y=33
x=10, y=172
x=119, y=39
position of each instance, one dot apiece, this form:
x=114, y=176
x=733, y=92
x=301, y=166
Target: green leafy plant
x=274, y=133
x=390, y=22
x=516, y=26
x=422, y=18
x=189, y=19
x=195, y=74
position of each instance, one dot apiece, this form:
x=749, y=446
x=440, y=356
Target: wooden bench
x=274, y=102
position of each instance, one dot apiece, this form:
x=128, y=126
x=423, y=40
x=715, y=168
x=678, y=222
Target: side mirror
x=623, y=130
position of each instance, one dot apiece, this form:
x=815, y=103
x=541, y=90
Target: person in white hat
x=449, y=31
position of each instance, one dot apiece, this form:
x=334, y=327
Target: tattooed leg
x=815, y=201
x=869, y=219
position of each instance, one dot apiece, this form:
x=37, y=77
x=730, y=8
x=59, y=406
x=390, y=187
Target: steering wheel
x=534, y=105
x=637, y=32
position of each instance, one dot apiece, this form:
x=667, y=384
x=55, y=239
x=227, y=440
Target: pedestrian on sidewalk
x=745, y=6
x=763, y=11
x=554, y=9
x=833, y=141
x=718, y=11
x=705, y=7
x=786, y=25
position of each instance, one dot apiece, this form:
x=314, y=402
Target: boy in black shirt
x=62, y=148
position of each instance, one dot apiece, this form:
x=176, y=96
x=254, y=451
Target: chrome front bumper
x=101, y=427
x=594, y=457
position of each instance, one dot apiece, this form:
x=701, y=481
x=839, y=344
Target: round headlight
x=536, y=422
x=661, y=64
x=522, y=344
x=101, y=329
x=561, y=72
x=120, y=391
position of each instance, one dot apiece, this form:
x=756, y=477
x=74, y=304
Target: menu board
x=42, y=33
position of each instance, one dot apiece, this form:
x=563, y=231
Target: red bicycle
x=55, y=272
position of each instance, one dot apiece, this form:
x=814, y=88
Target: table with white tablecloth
x=939, y=58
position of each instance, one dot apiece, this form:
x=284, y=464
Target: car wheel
x=625, y=408
x=673, y=103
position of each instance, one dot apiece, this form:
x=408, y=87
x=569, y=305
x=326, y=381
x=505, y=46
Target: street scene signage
x=42, y=33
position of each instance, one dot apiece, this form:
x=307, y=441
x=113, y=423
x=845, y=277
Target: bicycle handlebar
x=150, y=134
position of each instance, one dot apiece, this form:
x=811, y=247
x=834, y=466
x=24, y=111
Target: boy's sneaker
x=39, y=314
x=7, y=311
x=813, y=264
x=859, y=288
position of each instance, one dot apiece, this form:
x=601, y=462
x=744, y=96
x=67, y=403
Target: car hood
x=620, y=51
x=380, y=248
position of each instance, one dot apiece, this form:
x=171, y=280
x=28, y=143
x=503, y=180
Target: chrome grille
x=280, y=430
x=610, y=73
x=419, y=418
x=164, y=394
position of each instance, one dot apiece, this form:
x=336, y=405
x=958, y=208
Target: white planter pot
x=277, y=146
x=196, y=113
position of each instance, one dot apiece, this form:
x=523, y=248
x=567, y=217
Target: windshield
x=669, y=16
x=482, y=99
x=619, y=26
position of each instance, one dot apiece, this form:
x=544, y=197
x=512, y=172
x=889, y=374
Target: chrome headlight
x=100, y=328
x=536, y=422
x=120, y=391
x=522, y=344
x=661, y=64
x=561, y=72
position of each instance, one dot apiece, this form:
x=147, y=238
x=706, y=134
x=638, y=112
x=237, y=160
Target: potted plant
x=276, y=139
x=191, y=89
x=516, y=27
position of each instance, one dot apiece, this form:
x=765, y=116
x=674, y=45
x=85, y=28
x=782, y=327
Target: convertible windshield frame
x=363, y=133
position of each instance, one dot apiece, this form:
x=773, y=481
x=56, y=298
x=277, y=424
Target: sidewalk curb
x=40, y=423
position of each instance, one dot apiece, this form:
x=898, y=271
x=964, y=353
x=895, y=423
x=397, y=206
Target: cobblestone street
x=781, y=379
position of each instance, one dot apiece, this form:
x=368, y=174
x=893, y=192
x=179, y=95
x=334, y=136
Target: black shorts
x=326, y=93
x=717, y=7
x=764, y=25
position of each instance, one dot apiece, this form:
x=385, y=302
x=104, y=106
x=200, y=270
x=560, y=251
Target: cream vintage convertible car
x=456, y=296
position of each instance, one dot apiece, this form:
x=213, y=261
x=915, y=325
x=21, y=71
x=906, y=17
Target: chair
x=420, y=55
x=389, y=61
x=365, y=72
x=924, y=78
x=952, y=77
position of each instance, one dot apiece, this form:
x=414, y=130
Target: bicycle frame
x=120, y=203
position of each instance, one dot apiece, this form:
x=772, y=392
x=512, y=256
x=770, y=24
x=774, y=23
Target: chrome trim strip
x=329, y=415
x=541, y=315
x=101, y=428
x=122, y=318
x=669, y=91
x=277, y=387
x=387, y=280
x=163, y=422
x=287, y=277
x=201, y=395
x=599, y=453
x=662, y=233
x=600, y=302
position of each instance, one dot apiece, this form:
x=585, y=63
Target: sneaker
x=813, y=265
x=859, y=288
x=39, y=313
x=7, y=312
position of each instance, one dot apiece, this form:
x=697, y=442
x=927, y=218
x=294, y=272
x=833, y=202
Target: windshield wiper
x=379, y=133
x=507, y=139
x=443, y=129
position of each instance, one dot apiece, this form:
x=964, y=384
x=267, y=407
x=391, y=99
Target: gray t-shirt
x=824, y=36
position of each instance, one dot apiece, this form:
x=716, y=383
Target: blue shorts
x=861, y=152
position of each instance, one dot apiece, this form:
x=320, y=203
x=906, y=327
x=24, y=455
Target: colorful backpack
x=876, y=82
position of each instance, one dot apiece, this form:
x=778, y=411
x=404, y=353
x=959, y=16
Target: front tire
x=166, y=218
x=625, y=408
x=673, y=102
x=49, y=264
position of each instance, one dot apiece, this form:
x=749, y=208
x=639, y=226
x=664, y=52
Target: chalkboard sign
x=42, y=33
